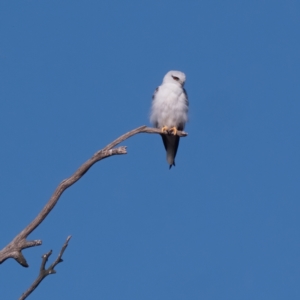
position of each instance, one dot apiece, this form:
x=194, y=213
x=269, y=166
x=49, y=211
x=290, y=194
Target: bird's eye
x=175, y=78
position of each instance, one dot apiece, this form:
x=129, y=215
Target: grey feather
x=186, y=96
x=171, y=143
x=155, y=92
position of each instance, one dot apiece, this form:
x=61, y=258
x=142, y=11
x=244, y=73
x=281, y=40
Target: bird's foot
x=165, y=129
x=173, y=130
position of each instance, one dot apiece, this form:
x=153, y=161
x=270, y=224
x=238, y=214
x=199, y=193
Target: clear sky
x=224, y=223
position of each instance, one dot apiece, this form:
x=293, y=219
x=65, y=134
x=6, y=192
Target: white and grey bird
x=170, y=111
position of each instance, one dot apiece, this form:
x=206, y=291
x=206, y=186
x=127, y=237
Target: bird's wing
x=154, y=94
x=181, y=126
x=153, y=99
x=186, y=98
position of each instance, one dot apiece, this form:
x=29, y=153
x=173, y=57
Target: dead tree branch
x=45, y=272
x=15, y=247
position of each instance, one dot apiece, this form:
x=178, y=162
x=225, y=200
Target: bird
x=169, y=111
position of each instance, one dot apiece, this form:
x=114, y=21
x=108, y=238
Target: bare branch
x=45, y=272
x=14, y=248
x=142, y=129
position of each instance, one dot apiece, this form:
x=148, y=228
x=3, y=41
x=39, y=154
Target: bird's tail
x=171, y=143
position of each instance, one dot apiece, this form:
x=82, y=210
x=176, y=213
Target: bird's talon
x=173, y=130
x=165, y=129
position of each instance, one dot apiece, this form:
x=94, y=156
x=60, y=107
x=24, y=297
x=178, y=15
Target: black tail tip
x=172, y=165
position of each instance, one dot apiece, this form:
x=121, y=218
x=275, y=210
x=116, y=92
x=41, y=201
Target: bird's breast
x=169, y=107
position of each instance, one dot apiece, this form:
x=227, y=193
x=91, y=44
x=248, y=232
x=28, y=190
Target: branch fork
x=45, y=272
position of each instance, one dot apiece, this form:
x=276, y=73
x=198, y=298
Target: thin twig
x=45, y=272
x=15, y=247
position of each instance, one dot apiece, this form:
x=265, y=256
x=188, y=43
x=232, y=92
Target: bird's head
x=176, y=77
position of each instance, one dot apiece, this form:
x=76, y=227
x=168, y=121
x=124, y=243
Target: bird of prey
x=170, y=111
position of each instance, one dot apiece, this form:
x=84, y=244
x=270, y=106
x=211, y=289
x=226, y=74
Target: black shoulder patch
x=156, y=90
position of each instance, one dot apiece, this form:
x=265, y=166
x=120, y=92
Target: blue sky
x=224, y=223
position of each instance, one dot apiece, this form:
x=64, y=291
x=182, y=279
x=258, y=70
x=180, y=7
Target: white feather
x=170, y=109
x=170, y=103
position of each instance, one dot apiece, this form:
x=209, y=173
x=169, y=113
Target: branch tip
x=21, y=260
x=45, y=272
x=33, y=243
